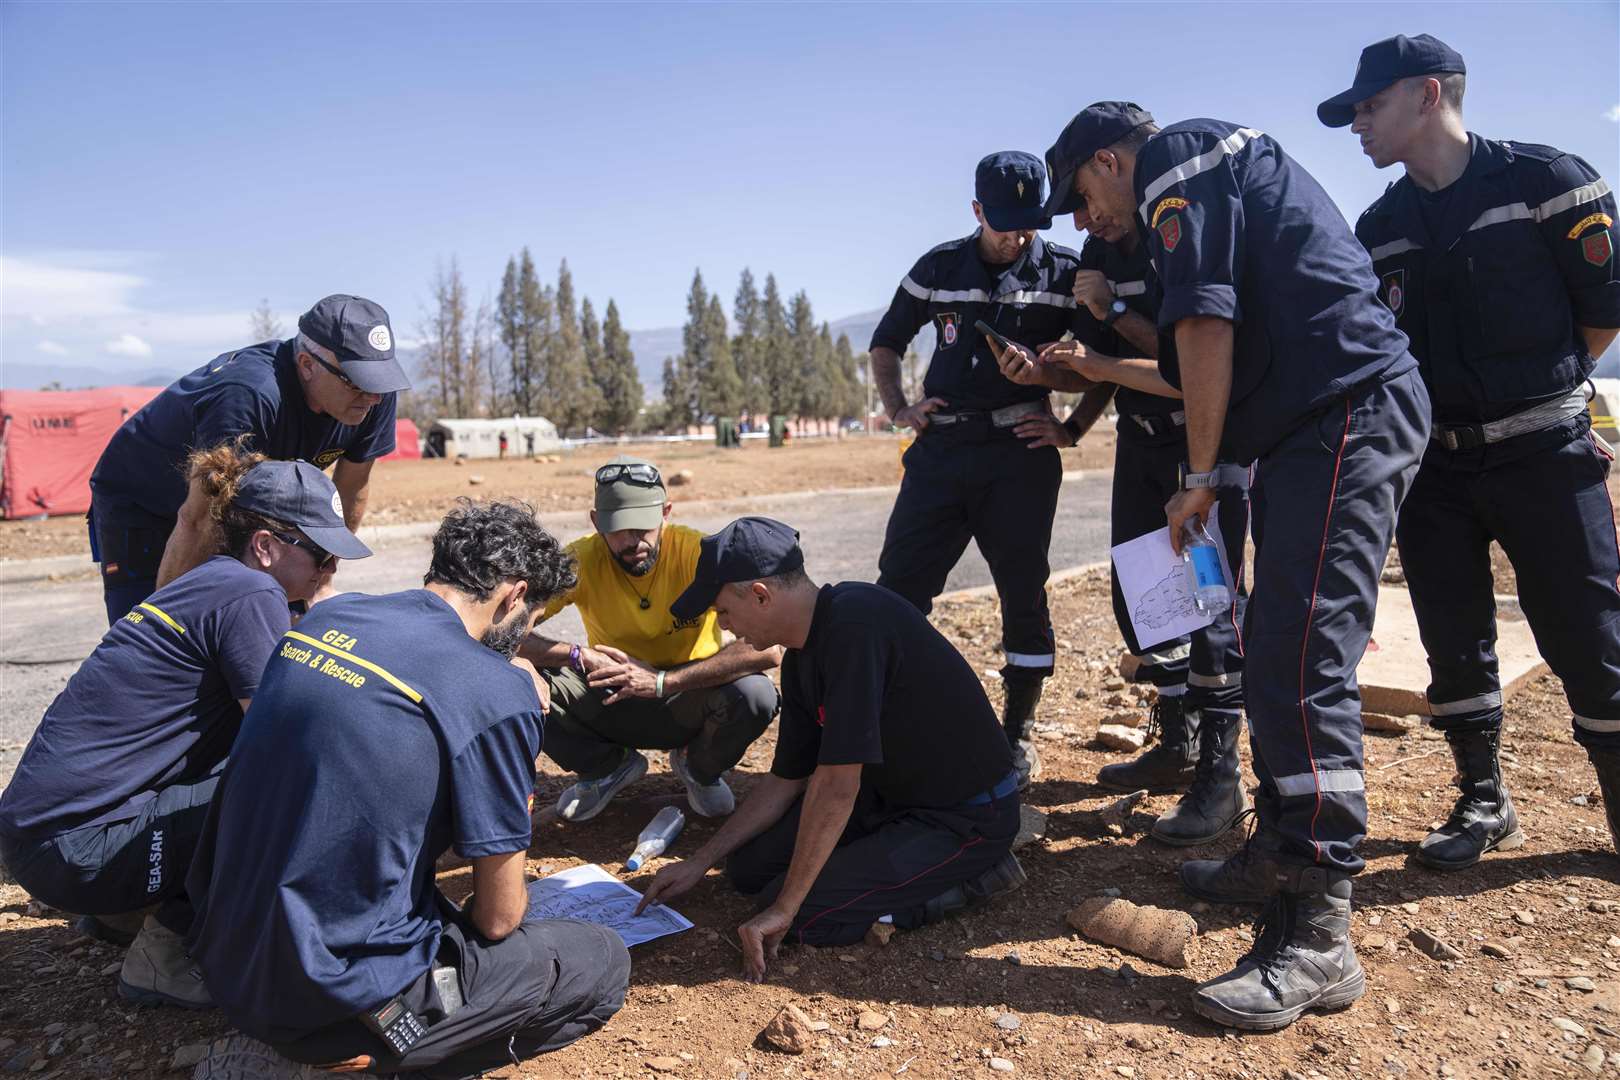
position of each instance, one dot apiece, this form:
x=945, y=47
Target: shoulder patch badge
x=945, y=323
x=1170, y=231
x=1173, y=202
x=326, y=457
x=1393, y=293
x=1598, y=248
x=1588, y=221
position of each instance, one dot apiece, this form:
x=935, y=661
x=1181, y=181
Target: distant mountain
x=15, y=376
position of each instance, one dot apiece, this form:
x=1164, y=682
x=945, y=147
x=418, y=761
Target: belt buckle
x=1464, y=437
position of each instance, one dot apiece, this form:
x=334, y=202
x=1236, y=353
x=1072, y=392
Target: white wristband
x=658, y=687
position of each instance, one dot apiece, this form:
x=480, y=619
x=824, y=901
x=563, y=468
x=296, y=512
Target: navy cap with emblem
x=1383, y=64
x=299, y=494
x=748, y=549
x=1010, y=186
x=1096, y=127
x=357, y=331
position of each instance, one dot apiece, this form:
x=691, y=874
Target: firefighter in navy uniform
x=1199, y=679
x=1497, y=260
x=971, y=474
x=1285, y=358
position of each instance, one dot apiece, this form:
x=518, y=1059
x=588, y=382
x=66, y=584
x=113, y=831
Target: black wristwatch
x=1115, y=310
x=1072, y=426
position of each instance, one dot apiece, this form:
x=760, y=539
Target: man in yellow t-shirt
x=646, y=680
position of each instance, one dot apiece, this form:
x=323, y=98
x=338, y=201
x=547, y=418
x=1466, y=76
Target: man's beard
x=641, y=567
x=505, y=638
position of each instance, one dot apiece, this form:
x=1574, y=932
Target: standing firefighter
x=1286, y=358
x=1497, y=259
x=969, y=475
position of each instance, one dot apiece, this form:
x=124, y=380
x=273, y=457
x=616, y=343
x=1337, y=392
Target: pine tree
x=678, y=395
x=590, y=344
x=618, y=382
x=852, y=398
x=451, y=369
x=802, y=326
x=780, y=377
x=720, y=389
x=510, y=328
x=535, y=304
x=571, y=396
x=748, y=346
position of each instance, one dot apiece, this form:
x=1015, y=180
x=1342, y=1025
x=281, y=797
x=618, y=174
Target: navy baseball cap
x=748, y=549
x=357, y=330
x=1096, y=127
x=1383, y=64
x=1010, y=186
x=299, y=494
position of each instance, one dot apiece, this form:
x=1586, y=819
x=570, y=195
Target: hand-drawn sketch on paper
x=593, y=895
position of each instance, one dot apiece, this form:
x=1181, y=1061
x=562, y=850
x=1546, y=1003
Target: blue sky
x=167, y=165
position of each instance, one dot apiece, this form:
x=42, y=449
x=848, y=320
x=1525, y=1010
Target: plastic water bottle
x=655, y=839
x=1203, y=562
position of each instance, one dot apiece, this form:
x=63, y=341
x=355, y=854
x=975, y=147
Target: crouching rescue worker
x=893, y=795
x=104, y=812
x=386, y=730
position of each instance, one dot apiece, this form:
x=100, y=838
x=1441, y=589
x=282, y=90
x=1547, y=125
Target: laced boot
x=1216, y=799
x=1301, y=959
x=1169, y=764
x=1482, y=819
x=1607, y=764
x=1023, y=695
x=1247, y=876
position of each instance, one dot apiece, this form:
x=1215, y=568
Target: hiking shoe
x=1005, y=876
x=706, y=800
x=1216, y=799
x=587, y=798
x=1170, y=764
x=1482, y=819
x=1301, y=958
x=158, y=971
x=242, y=1057
x=1248, y=876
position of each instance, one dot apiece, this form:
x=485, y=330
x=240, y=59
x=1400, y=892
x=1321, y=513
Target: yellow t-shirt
x=609, y=601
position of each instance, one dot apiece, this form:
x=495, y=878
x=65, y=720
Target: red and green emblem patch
x=1598, y=248
x=1170, y=231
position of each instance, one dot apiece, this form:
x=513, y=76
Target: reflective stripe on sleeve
x=1519, y=211
x=1592, y=723
x=1394, y=247
x=1194, y=166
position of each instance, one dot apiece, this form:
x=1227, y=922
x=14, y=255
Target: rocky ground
x=1527, y=983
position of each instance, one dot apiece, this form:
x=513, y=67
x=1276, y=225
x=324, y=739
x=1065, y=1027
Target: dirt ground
x=422, y=490
x=1545, y=1002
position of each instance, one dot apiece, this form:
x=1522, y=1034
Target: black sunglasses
x=324, y=560
x=638, y=474
x=334, y=369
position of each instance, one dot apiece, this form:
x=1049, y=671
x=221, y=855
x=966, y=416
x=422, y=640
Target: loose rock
x=881, y=1041
x=1430, y=945
x=680, y=478
x=187, y=1056
x=870, y=1021
x=1001, y=1064
x=1496, y=949
x=1524, y=918
x=1581, y=983
x=879, y=933
x=663, y=1064
x=789, y=1031
x=1008, y=1022
x=475, y=479
x=1117, y=816
x=1119, y=737
x=1153, y=933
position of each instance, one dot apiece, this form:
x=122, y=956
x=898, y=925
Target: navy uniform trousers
x=1209, y=663
x=969, y=481
x=1324, y=501
x=1550, y=510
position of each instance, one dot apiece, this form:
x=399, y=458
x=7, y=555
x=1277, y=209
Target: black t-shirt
x=876, y=685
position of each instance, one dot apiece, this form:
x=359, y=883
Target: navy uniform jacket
x=1239, y=230
x=254, y=391
x=1031, y=302
x=1524, y=256
x=1135, y=283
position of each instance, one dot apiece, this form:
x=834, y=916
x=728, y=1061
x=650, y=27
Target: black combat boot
x=1216, y=799
x=1482, y=819
x=1169, y=764
x=1607, y=764
x=1023, y=694
x=1301, y=958
x=1247, y=876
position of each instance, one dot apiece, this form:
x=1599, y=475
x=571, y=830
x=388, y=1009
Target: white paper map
x=1154, y=583
x=595, y=896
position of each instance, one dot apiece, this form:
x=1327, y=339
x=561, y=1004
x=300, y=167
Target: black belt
x=1157, y=424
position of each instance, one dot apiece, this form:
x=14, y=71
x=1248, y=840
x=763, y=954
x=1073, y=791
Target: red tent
x=50, y=441
x=407, y=441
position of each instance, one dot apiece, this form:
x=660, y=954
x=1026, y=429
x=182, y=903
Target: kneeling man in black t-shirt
x=892, y=796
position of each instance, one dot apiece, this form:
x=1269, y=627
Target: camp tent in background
x=407, y=441
x=481, y=438
x=50, y=441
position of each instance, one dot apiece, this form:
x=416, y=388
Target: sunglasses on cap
x=637, y=473
x=324, y=560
